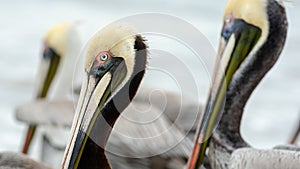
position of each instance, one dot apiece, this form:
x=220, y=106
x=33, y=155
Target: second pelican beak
x=238, y=40
x=47, y=71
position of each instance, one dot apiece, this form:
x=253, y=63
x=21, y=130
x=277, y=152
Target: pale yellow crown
x=253, y=12
x=56, y=38
x=117, y=38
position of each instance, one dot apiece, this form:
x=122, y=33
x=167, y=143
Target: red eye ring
x=102, y=57
x=229, y=18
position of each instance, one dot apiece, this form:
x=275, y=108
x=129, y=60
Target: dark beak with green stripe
x=238, y=39
x=47, y=72
x=97, y=115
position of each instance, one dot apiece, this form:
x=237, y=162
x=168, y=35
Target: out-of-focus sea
x=271, y=114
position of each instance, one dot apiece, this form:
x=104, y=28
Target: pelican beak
x=238, y=39
x=47, y=71
x=92, y=125
x=46, y=74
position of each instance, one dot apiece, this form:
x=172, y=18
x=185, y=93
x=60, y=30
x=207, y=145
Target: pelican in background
x=61, y=46
x=252, y=38
x=11, y=160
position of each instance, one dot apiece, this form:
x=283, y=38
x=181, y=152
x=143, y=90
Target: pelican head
x=252, y=37
x=114, y=67
x=54, y=75
x=60, y=48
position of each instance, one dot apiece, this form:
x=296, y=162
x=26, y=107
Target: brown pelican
x=114, y=67
x=58, y=61
x=252, y=38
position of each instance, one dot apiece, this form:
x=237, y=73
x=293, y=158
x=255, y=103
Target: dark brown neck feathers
x=245, y=81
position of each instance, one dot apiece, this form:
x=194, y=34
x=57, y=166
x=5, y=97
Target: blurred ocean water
x=271, y=114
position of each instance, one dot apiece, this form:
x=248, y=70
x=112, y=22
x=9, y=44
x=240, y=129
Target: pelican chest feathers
x=115, y=63
x=10, y=160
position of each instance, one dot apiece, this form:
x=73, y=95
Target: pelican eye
x=229, y=26
x=102, y=63
x=104, y=57
x=227, y=19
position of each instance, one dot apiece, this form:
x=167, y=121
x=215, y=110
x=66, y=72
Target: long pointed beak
x=92, y=125
x=47, y=71
x=237, y=41
x=46, y=74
